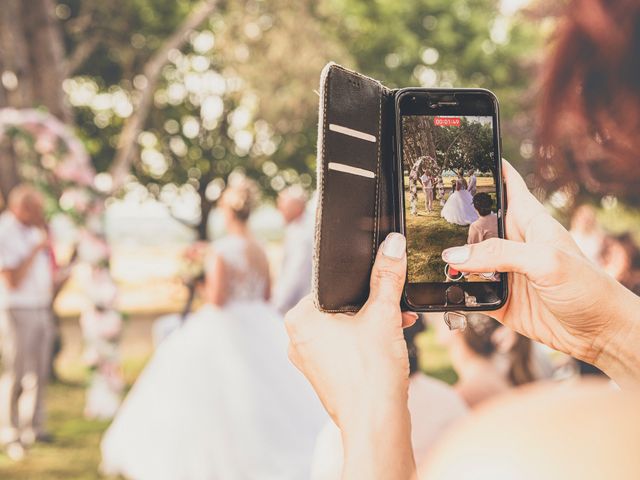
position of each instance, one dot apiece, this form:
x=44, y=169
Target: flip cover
x=355, y=186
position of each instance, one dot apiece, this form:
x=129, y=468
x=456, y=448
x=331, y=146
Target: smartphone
x=450, y=193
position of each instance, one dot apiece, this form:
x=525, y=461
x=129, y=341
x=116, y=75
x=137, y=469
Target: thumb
x=389, y=272
x=499, y=255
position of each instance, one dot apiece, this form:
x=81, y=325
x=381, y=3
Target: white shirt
x=426, y=181
x=17, y=241
x=472, y=184
x=294, y=280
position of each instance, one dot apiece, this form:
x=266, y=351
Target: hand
x=359, y=367
x=556, y=295
x=352, y=360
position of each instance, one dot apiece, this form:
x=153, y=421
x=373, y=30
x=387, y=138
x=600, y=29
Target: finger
x=409, y=319
x=499, y=255
x=389, y=272
x=516, y=186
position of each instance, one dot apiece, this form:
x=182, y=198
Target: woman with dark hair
x=475, y=352
x=589, y=123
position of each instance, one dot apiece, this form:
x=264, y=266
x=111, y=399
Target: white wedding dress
x=219, y=400
x=459, y=207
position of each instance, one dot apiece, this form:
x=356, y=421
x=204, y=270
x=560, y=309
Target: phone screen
x=449, y=168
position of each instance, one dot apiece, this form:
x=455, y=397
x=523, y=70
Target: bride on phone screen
x=459, y=206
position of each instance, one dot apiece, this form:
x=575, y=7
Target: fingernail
x=456, y=254
x=413, y=315
x=394, y=246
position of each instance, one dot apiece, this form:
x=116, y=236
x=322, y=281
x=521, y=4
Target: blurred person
x=587, y=233
x=294, y=281
x=219, y=398
x=473, y=180
x=486, y=226
x=545, y=431
x=620, y=258
x=474, y=354
x=26, y=325
x=433, y=405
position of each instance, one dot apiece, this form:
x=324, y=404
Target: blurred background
x=134, y=114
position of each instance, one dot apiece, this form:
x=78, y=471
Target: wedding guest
x=620, y=258
x=427, y=188
x=475, y=354
x=294, y=280
x=486, y=226
x=26, y=326
x=427, y=424
x=472, y=182
x=587, y=233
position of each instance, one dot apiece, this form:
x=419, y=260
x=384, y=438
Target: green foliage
x=444, y=43
x=268, y=56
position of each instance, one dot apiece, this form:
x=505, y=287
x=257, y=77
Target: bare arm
x=216, y=291
x=378, y=445
x=15, y=276
x=620, y=357
x=359, y=367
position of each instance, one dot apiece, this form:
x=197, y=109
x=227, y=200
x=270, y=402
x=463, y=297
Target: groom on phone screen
x=472, y=183
x=427, y=186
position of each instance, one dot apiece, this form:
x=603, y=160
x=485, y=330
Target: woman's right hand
x=556, y=295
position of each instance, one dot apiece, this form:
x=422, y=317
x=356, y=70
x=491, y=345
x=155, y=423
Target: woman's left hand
x=359, y=367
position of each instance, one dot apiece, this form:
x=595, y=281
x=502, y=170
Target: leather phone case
x=356, y=202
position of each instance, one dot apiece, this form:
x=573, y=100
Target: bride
x=219, y=399
x=459, y=206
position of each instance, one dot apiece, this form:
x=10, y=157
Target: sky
x=509, y=7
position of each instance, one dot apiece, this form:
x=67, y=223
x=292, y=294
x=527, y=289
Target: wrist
x=377, y=442
x=620, y=355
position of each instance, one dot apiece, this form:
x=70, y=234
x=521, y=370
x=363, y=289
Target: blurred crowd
x=230, y=279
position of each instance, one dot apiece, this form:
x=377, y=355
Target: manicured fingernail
x=456, y=255
x=413, y=315
x=394, y=246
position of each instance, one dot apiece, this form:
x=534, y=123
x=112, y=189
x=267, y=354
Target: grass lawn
x=75, y=453
x=429, y=233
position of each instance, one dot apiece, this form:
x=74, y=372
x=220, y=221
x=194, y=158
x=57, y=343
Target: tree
x=31, y=59
x=229, y=98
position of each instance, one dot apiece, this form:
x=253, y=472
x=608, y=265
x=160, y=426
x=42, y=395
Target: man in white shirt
x=294, y=281
x=26, y=324
x=472, y=183
x=427, y=187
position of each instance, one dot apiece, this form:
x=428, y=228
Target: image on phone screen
x=449, y=190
